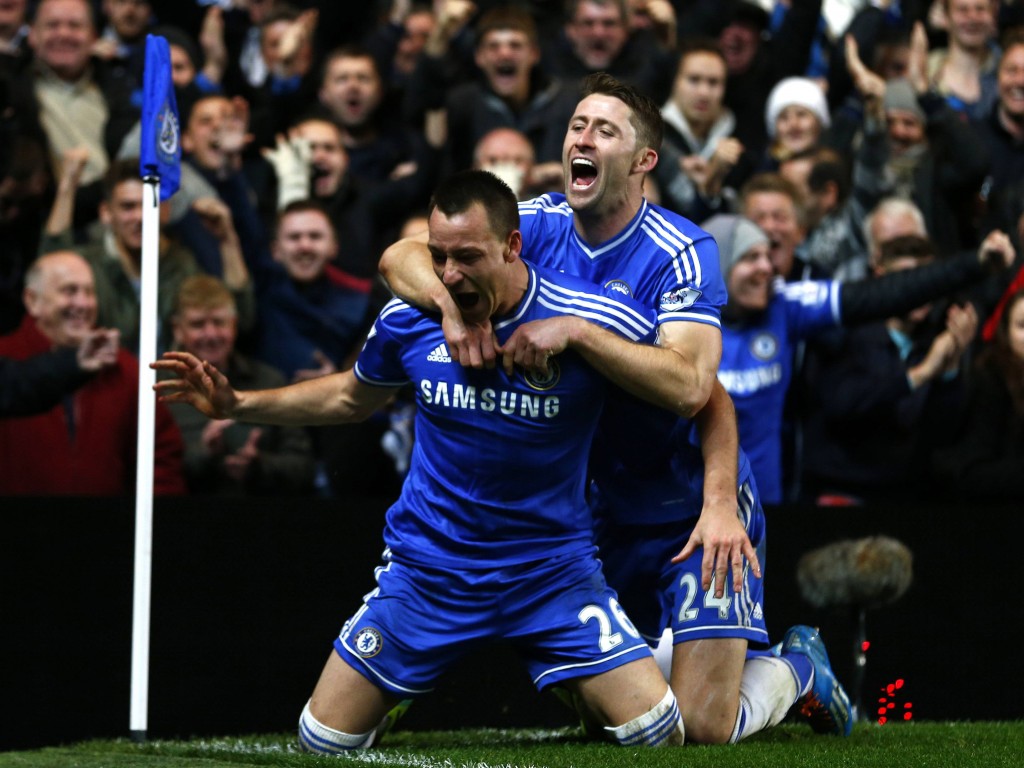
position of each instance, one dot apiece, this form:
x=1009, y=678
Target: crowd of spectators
x=857, y=138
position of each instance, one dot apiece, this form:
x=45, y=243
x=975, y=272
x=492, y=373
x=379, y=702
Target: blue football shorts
x=657, y=593
x=560, y=615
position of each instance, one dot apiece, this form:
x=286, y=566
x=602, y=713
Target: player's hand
x=726, y=544
x=98, y=349
x=471, y=345
x=324, y=367
x=197, y=383
x=533, y=344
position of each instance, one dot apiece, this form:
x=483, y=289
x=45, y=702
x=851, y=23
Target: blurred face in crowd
x=471, y=260
x=207, y=332
x=776, y=214
x=597, y=33
x=888, y=225
x=183, y=71
x=1015, y=327
x=415, y=32
x=129, y=18
x=506, y=56
x=328, y=157
x=700, y=88
x=202, y=136
x=351, y=90
x=123, y=214
x=60, y=295
x=12, y=14
x=304, y=244
x=258, y=10
x=271, y=36
x=1011, y=85
x=750, y=280
x=905, y=130
x=739, y=42
x=505, y=146
x=62, y=36
x=971, y=22
x=797, y=128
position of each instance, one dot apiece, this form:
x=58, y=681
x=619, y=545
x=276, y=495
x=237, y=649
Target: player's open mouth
x=467, y=300
x=584, y=173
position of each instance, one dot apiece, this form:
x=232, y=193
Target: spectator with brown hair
x=225, y=457
x=508, y=89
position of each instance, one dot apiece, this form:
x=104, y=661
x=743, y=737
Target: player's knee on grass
x=661, y=726
x=320, y=739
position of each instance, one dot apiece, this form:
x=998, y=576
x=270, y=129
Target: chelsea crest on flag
x=160, y=153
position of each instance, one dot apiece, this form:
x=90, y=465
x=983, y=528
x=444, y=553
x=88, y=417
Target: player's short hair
x=460, y=191
x=644, y=113
x=202, y=292
x=507, y=17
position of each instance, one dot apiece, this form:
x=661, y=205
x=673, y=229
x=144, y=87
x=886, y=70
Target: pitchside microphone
x=863, y=573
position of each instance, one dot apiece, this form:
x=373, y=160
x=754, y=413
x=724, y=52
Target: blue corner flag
x=160, y=154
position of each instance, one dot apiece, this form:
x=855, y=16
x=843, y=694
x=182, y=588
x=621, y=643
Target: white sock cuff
x=662, y=725
x=320, y=739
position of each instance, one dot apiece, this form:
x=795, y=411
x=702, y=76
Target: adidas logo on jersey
x=439, y=355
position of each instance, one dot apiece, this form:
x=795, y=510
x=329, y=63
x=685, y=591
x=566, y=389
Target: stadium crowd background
x=862, y=137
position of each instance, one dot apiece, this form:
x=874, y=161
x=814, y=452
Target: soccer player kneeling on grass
x=491, y=537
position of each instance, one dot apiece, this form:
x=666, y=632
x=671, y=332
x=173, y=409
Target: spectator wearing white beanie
x=796, y=115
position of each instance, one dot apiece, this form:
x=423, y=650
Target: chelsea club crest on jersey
x=546, y=380
x=764, y=346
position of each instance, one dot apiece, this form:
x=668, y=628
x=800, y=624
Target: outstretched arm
x=335, y=399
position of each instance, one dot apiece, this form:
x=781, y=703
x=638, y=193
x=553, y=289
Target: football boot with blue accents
x=826, y=706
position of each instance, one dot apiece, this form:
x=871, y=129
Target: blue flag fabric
x=160, y=154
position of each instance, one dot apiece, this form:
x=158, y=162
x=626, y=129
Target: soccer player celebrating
x=491, y=537
x=663, y=499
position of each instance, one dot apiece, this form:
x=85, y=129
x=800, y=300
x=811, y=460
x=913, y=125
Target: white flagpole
x=144, y=470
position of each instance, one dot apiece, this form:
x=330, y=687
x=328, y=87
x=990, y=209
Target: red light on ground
x=908, y=715
x=882, y=721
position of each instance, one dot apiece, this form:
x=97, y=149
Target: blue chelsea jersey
x=646, y=461
x=498, y=468
x=757, y=365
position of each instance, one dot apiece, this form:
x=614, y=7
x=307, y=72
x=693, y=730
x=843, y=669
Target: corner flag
x=160, y=154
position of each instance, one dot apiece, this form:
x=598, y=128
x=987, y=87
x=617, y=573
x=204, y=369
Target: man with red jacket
x=85, y=445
